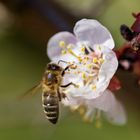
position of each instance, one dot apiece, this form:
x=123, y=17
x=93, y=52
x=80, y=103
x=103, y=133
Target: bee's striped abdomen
x=51, y=107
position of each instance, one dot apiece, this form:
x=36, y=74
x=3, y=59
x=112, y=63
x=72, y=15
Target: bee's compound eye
x=56, y=67
x=53, y=66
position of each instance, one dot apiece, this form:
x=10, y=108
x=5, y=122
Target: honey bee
x=52, y=94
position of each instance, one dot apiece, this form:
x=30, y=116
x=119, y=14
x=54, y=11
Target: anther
x=83, y=75
x=83, y=49
x=89, y=66
x=101, y=60
x=63, y=52
x=62, y=44
x=73, y=66
x=85, y=60
x=94, y=87
x=95, y=60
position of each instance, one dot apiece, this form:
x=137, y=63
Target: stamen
x=85, y=60
x=83, y=50
x=71, y=52
x=73, y=66
x=87, y=119
x=90, y=66
x=86, y=51
x=98, y=123
x=94, y=87
x=63, y=52
x=88, y=48
x=81, y=110
x=94, y=74
x=62, y=44
x=95, y=66
x=95, y=60
x=101, y=60
x=83, y=75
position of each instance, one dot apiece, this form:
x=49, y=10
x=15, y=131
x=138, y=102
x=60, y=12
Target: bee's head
x=53, y=67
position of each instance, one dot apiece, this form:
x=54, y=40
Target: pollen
x=85, y=60
x=63, y=52
x=83, y=49
x=89, y=66
x=71, y=52
x=95, y=60
x=83, y=75
x=73, y=66
x=101, y=60
x=62, y=44
x=94, y=87
x=79, y=58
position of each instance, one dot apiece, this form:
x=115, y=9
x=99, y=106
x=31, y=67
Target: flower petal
x=117, y=115
x=109, y=66
x=114, y=111
x=106, y=72
x=103, y=102
x=93, y=32
x=53, y=49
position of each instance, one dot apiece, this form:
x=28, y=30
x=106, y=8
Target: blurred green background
x=25, y=27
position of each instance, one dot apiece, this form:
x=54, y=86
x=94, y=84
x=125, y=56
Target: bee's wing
x=31, y=91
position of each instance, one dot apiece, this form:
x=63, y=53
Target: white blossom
x=96, y=67
x=89, y=50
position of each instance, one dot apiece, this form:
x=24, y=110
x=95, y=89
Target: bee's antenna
x=62, y=61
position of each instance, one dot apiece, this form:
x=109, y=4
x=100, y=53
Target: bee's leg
x=63, y=95
x=63, y=73
x=64, y=86
x=62, y=61
x=59, y=95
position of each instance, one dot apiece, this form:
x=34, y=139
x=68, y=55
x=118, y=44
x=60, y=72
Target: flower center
x=88, y=62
